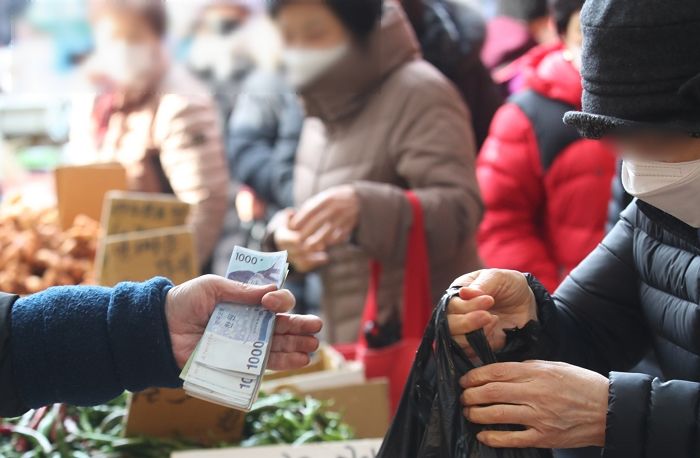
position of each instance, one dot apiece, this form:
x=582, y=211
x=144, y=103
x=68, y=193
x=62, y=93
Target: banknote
x=227, y=365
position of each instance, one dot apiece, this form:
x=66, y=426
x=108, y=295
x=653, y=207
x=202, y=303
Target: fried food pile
x=36, y=253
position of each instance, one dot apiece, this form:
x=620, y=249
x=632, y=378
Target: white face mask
x=124, y=63
x=672, y=188
x=225, y=56
x=303, y=65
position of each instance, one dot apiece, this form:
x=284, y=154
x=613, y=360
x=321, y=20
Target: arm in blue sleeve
x=86, y=345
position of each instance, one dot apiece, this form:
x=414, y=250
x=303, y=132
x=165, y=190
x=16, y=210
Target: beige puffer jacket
x=170, y=141
x=386, y=121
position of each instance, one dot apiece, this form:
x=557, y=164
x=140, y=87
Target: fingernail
x=463, y=381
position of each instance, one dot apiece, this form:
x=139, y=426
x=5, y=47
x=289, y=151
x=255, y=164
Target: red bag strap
x=416, y=291
x=417, y=294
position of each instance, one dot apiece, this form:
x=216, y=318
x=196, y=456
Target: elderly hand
x=493, y=300
x=189, y=306
x=328, y=218
x=300, y=255
x=560, y=406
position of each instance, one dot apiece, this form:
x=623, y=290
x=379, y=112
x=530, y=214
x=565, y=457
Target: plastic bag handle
x=481, y=347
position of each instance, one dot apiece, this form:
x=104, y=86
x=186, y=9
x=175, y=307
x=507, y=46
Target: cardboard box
x=81, y=190
x=351, y=449
x=364, y=406
x=326, y=359
x=351, y=373
x=342, y=383
x=166, y=413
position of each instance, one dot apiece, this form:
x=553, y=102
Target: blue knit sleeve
x=86, y=345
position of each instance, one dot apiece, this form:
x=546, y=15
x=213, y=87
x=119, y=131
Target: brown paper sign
x=139, y=256
x=125, y=212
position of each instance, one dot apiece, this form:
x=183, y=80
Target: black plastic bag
x=430, y=422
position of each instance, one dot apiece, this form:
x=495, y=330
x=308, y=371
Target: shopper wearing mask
x=262, y=140
x=546, y=189
x=639, y=290
x=152, y=116
x=85, y=345
x=380, y=121
x=227, y=43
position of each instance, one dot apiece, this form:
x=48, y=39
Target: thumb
x=225, y=290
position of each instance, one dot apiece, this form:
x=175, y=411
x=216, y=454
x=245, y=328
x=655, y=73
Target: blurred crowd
x=300, y=125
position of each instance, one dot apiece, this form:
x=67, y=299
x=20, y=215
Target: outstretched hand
x=189, y=306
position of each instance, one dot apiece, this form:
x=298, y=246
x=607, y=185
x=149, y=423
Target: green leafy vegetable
x=62, y=431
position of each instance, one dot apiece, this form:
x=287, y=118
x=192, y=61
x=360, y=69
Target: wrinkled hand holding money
x=228, y=364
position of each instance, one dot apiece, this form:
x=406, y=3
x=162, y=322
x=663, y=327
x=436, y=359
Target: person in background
x=451, y=34
x=152, y=116
x=263, y=137
x=85, y=345
x=225, y=45
x=546, y=189
x=234, y=49
x=380, y=121
x=519, y=26
x=262, y=140
x=639, y=290
x=263, y=132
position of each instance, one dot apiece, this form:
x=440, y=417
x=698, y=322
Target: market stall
x=133, y=236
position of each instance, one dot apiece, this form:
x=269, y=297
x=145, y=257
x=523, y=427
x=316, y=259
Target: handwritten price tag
x=139, y=256
x=132, y=212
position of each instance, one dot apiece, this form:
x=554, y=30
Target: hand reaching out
x=301, y=256
x=189, y=306
x=328, y=218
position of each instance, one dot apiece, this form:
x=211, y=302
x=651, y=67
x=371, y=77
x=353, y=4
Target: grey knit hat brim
x=595, y=126
x=640, y=68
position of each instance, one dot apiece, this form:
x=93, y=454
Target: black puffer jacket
x=619, y=199
x=263, y=137
x=640, y=289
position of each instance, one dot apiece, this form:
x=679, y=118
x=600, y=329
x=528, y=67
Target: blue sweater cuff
x=85, y=345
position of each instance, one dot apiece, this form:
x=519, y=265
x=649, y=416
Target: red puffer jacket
x=546, y=189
